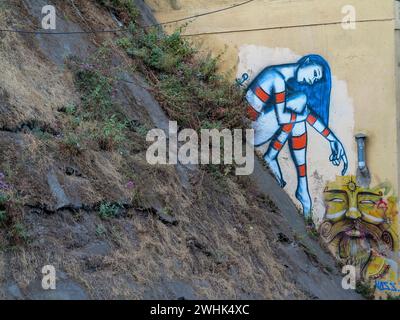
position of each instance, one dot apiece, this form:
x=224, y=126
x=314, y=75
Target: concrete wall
x=364, y=65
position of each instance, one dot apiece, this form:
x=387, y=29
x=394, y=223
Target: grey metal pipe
x=363, y=175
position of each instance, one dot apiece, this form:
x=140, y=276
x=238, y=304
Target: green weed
x=108, y=210
x=112, y=134
x=365, y=289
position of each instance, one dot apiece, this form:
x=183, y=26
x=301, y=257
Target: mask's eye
x=337, y=200
x=315, y=74
x=367, y=202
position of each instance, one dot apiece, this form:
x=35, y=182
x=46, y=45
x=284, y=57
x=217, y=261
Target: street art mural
x=360, y=228
x=282, y=100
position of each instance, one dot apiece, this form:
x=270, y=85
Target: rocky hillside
x=76, y=191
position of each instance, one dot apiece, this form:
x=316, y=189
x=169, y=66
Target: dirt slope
x=175, y=232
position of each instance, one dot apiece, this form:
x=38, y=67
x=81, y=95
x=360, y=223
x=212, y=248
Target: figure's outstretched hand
x=338, y=155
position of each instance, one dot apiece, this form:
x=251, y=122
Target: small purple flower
x=87, y=66
x=3, y=185
x=130, y=185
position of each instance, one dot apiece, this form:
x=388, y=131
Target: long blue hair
x=319, y=93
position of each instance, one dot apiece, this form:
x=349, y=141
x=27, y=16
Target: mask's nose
x=353, y=213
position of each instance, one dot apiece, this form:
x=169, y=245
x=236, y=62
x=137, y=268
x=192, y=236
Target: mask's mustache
x=329, y=231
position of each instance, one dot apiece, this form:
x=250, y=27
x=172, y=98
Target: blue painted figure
x=282, y=99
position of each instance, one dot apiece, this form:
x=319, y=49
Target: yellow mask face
x=360, y=225
x=344, y=199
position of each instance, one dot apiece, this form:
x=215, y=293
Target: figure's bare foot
x=303, y=196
